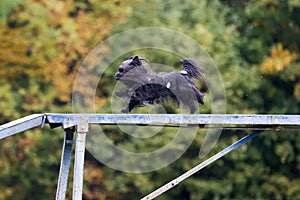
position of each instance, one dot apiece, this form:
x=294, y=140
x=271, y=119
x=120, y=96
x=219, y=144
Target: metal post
x=82, y=129
x=65, y=164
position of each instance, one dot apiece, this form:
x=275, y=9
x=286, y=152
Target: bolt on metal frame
x=82, y=121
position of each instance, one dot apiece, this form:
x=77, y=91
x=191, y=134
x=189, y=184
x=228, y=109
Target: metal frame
x=65, y=164
x=21, y=125
x=69, y=120
x=82, y=121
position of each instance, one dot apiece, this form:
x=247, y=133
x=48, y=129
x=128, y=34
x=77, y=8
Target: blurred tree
x=270, y=41
x=42, y=45
x=6, y=7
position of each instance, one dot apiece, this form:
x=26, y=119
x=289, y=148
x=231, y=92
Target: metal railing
x=81, y=123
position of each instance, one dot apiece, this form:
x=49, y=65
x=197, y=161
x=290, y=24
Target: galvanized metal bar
x=65, y=165
x=197, y=168
x=69, y=120
x=21, y=125
x=82, y=129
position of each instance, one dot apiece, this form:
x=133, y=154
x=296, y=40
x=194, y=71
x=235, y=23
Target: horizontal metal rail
x=258, y=121
x=229, y=121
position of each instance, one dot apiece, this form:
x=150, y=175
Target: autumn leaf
x=279, y=59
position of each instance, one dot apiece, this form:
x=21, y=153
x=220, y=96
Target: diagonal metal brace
x=200, y=166
x=65, y=165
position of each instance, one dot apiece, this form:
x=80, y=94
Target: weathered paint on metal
x=21, y=125
x=68, y=120
x=64, y=165
x=82, y=129
x=82, y=122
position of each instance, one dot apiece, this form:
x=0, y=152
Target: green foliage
x=255, y=45
x=6, y=7
x=42, y=45
x=28, y=162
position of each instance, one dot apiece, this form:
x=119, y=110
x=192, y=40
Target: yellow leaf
x=279, y=59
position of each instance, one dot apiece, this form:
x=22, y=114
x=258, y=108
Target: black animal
x=144, y=87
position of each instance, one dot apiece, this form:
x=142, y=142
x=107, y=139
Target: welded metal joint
x=70, y=142
x=82, y=125
x=43, y=121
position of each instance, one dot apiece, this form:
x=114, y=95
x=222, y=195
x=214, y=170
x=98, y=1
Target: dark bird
x=144, y=87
